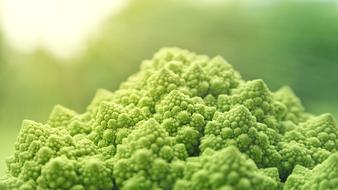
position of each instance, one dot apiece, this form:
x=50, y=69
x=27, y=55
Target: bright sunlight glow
x=61, y=26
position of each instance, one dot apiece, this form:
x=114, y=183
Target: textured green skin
x=185, y=121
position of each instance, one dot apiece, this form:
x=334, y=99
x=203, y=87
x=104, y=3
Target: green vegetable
x=185, y=121
x=323, y=176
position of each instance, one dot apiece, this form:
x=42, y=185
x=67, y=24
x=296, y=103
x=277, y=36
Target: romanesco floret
x=323, y=177
x=295, y=110
x=226, y=168
x=184, y=121
x=150, y=154
x=309, y=144
x=239, y=127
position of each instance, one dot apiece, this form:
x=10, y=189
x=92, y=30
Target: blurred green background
x=291, y=43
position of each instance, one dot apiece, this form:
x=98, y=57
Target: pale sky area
x=61, y=26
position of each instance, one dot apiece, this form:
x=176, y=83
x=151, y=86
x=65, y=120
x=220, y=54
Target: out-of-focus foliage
x=4, y=150
x=283, y=42
x=2, y=66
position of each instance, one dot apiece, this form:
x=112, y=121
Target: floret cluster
x=183, y=122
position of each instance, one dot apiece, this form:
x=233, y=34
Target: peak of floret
x=60, y=116
x=100, y=96
x=295, y=110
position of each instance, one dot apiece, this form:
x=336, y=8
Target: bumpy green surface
x=184, y=122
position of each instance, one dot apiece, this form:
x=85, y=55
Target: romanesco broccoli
x=183, y=122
